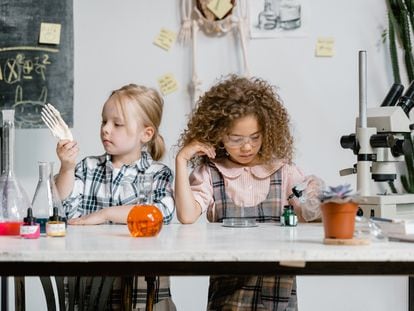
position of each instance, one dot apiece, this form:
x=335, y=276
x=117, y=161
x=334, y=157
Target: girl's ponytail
x=156, y=147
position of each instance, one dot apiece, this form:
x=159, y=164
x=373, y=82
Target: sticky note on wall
x=325, y=47
x=167, y=84
x=165, y=39
x=219, y=7
x=50, y=33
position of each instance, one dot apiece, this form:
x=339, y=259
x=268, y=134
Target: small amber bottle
x=55, y=227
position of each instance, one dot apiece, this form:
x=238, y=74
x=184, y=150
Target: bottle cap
x=55, y=216
x=29, y=218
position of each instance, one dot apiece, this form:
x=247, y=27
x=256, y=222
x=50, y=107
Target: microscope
x=381, y=140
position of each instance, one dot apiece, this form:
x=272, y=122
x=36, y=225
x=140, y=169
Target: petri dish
x=239, y=222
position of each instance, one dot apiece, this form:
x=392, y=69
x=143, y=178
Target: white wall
x=113, y=46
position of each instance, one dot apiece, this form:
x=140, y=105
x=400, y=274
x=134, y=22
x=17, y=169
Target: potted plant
x=338, y=212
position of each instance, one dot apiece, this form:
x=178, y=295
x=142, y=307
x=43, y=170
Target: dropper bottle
x=55, y=226
x=30, y=229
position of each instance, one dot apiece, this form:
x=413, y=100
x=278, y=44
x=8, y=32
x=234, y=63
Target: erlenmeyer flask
x=145, y=219
x=46, y=197
x=13, y=198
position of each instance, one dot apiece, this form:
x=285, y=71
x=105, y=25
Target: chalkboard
x=36, y=58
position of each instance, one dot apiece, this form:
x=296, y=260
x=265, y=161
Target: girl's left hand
x=95, y=218
x=196, y=148
x=310, y=207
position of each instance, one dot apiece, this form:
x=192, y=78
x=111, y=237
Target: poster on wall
x=36, y=59
x=278, y=18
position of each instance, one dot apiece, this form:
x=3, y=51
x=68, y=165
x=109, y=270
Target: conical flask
x=13, y=198
x=144, y=218
x=46, y=196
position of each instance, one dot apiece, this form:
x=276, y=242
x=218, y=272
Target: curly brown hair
x=235, y=97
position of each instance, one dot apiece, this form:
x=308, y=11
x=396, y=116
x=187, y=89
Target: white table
x=200, y=249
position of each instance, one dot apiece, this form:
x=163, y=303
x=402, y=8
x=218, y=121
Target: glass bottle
x=144, y=219
x=290, y=14
x=55, y=227
x=289, y=216
x=14, y=201
x=267, y=17
x=30, y=229
x=46, y=196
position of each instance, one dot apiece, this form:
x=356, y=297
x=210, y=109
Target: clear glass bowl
x=239, y=222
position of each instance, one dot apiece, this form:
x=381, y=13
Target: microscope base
x=388, y=206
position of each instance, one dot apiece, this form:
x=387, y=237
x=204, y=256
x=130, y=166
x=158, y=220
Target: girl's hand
x=311, y=205
x=67, y=151
x=95, y=218
x=195, y=148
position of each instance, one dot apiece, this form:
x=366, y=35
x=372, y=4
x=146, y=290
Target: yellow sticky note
x=165, y=39
x=325, y=47
x=167, y=84
x=49, y=33
x=219, y=7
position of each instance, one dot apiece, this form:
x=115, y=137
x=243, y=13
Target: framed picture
x=278, y=18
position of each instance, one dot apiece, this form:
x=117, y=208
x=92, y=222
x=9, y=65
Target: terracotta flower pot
x=339, y=219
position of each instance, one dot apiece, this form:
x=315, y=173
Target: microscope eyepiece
x=406, y=101
x=393, y=95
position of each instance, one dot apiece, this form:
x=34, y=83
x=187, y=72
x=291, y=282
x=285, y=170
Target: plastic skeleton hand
x=52, y=118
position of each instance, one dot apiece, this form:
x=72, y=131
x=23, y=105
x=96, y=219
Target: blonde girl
x=102, y=189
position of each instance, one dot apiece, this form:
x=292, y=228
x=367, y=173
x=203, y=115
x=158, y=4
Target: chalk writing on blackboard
x=36, y=59
x=20, y=66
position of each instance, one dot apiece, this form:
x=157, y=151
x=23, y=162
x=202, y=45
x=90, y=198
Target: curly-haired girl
x=239, y=142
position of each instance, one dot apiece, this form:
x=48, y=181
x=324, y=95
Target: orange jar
x=144, y=220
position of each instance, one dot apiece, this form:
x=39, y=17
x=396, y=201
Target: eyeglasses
x=238, y=141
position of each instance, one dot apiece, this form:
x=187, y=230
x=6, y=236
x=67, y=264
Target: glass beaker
x=46, y=197
x=290, y=14
x=14, y=200
x=144, y=219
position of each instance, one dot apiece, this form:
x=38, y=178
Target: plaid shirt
x=96, y=186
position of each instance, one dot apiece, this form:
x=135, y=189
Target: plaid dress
x=246, y=293
x=97, y=186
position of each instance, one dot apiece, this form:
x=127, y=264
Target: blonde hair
x=144, y=104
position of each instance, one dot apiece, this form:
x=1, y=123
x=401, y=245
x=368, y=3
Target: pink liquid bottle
x=14, y=201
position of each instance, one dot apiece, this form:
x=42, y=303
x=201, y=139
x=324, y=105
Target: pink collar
x=233, y=170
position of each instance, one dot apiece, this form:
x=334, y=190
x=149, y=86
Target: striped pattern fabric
x=97, y=187
x=249, y=293
x=267, y=211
